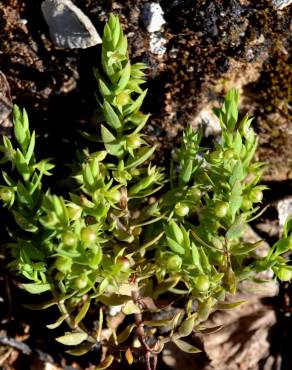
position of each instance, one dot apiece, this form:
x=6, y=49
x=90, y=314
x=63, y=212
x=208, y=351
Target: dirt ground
x=210, y=47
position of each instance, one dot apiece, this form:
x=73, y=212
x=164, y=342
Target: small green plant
x=129, y=238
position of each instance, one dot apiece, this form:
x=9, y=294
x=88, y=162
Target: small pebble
x=281, y=4
x=114, y=310
x=207, y=119
x=5, y=105
x=69, y=27
x=157, y=43
x=284, y=208
x=152, y=16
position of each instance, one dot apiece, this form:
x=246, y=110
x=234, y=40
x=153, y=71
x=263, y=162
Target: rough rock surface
x=152, y=16
x=5, y=104
x=69, y=26
x=284, y=208
x=243, y=342
x=281, y=4
x=157, y=43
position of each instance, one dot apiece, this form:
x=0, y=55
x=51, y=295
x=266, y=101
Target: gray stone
x=157, y=43
x=281, y=4
x=284, y=208
x=5, y=105
x=208, y=120
x=69, y=27
x=152, y=17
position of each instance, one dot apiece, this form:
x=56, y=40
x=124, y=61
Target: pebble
x=284, y=208
x=114, y=310
x=207, y=119
x=281, y=4
x=23, y=21
x=157, y=43
x=69, y=27
x=5, y=105
x=152, y=16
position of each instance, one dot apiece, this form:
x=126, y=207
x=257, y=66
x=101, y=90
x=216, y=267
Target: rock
x=243, y=342
x=5, y=105
x=208, y=120
x=69, y=27
x=250, y=236
x=152, y=16
x=275, y=143
x=284, y=208
x=281, y=4
x=114, y=310
x=157, y=43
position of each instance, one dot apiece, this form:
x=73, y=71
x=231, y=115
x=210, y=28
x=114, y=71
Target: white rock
x=69, y=26
x=157, y=43
x=208, y=120
x=5, y=105
x=281, y=4
x=114, y=310
x=23, y=21
x=152, y=16
x=284, y=208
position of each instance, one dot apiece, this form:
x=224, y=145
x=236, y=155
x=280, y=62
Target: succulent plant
x=130, y=238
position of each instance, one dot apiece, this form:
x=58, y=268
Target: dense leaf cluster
x=128, y=235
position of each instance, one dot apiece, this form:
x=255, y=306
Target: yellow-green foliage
x=129, y=233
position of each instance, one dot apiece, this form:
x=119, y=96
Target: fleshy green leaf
x=21, y=132
x=124, y=335
x=113, y=300
x=111, y=116
x=130, y=308
x=82, y=313
x=135, y=106
x=165, y=286
x=58, y=322
x=186, y=171
x=21, y=165
x=36, y=288
x=229, y=306
x=141, y=157
x=186, y=347
x=237, y=173
x=174, y=246
x=122, y=45
x=187, y=327
x=173, y=231
x=72, y=339
x=237, y=228
x=106, y=363
x=110, y=142
x=196, y=257
x=244, y=249
x=80, y=350
x=30, y=149
x=103, y=88
x=288, y=227
x=235, y=199
x=125, y=76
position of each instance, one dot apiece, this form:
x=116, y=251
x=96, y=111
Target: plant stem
x=141, y=333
